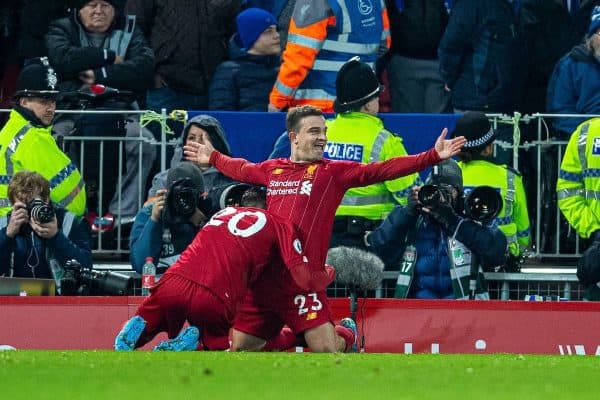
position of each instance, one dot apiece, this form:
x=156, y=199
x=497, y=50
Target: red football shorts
x=176, y=299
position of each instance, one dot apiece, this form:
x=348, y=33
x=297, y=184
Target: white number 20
x=232, y=225
x=300, y=301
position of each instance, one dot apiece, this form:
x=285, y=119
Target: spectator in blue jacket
x=481, y=55
x=574, y=87
x=433, y=245
x=30, y=239
x=481, y=60
x=244, y=82
x=165, y=227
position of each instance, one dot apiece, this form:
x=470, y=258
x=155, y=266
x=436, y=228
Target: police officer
x=478, y=169
x=26, y=141
x=357, y=134
x=578, y=190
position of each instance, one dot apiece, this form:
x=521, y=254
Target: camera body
x=182, y=200
x=79, y=281
x=227, y=195
x=40, y=211
x=434, y=195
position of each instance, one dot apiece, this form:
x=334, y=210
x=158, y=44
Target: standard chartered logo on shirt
x=285, y=188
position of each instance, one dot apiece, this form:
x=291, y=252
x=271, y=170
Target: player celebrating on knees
x=210, y=278
x=305, y=189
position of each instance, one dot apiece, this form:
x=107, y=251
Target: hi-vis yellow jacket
x=513, y=219
x=361, y=137
x=26, y=147
x=578, y=186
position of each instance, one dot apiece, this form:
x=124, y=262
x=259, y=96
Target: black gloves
x=413, y=205
x=445, y=215
x=588, y=266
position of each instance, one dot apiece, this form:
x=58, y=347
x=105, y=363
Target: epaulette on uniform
x=513, y=170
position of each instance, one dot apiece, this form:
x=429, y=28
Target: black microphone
x=356, y=267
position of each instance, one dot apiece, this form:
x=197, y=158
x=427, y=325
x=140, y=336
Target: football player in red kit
x=305, y=189
x=210, y=278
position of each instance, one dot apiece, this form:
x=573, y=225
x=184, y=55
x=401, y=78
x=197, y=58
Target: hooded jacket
x=216, y=134
x=244, y=82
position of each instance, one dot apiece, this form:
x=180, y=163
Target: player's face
x=308, y=144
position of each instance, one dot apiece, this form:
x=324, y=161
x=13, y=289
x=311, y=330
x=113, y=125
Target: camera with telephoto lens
x=433, y=195
x=182, y=200
x=80, y=281
x=219, y=197
x=40, y=211
x=483, y=204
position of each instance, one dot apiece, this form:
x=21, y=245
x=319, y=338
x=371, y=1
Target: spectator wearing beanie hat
x=243, y=83
x=478, y=169
x=358, y=134
x=574, y=87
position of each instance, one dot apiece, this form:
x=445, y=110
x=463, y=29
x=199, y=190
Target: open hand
x=447, y=148
x=198, y=153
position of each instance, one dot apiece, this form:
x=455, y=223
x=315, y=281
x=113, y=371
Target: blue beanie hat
x=595, y=24
x=251, y=23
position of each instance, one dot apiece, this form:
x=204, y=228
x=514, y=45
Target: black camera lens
x=185, y=201
x=40, y=211
x=483, y=204
x=430, y=195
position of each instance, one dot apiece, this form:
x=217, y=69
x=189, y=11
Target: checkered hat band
x=481, y=141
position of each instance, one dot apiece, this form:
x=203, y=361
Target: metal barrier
x=546, y=283
x=555, y=244
x=554, y=240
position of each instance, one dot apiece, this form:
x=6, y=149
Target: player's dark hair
x=255, y=196
x=296, y=114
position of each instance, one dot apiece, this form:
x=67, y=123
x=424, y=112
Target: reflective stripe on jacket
x=513, y=219
x=25, y=147
x=578, y=186
x=323, y=35
x=361, y=137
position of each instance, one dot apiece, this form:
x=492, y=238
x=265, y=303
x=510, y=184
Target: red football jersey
x=233, y=249
x=308, y=194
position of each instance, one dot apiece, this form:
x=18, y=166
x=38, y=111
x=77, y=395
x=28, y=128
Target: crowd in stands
x=468, y=57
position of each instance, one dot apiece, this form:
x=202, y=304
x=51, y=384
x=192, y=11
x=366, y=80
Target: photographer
x=429, y=241
x=166, y=226
x=36, y=232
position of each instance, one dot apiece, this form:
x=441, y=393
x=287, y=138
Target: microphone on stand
x=355, y=268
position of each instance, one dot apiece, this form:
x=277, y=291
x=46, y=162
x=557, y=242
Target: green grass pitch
x=34, y=375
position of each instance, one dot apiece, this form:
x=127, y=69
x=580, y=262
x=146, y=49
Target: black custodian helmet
x=37, y=79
